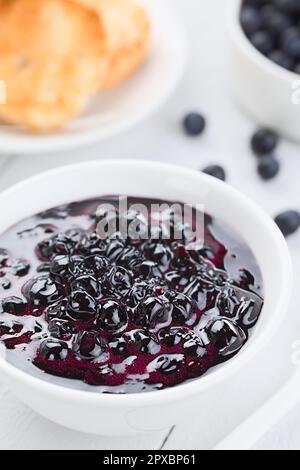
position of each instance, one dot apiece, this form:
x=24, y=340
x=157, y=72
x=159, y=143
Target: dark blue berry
x=53, y=350
x=167, y=363
x=59, y=266
x=151, y=312
x=159, y=253
x=118, y=346
x=291, y=43
x=215, y=170
x=89, y=346
x=276, y=22
x=194, y=124
x=42, y=291
x=20, y=268
x=112, y=316
x=268, y=167
x=263, y=42
x=144, y=342
x=183, y=307
x=251, y=20
x=61, y=329
x=282, y=59
x=88, y=284
x=288, y=222
x=264, y=142
x=174, y=336
x=226, y=336
x=57, y=310
x=82, y=306
x=118, y=281
x=14, y=306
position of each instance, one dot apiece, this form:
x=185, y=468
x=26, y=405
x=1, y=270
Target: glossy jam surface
x=125, y=314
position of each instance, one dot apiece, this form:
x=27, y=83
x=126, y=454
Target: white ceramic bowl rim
x=193, y=387
x=241, y=39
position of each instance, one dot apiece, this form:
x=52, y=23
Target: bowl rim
x=239, y=37
x=204, y=382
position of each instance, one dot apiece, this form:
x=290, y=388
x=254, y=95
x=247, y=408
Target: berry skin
x=226, y=336
x=14, y=306
x=61, y=329
x=291, y=44
x=281, y=59
x=59, y=266
x=268, y=167
x=263, y=42
x=89, y=346
x=183, y=307
x=144, y=342
x=174, y=336
x=88, y=284
x=20, y=268
x=82, y=306
x=42, y=291
x=53, y=350
x=167, y=363
x=215, y=170
x=57, y=310
x=251, y=20
x=118, y=281
x=118, y=347
x=112, y=316
x=151, y=312
x=194, y=124
x=288, y=222
x=264, y=142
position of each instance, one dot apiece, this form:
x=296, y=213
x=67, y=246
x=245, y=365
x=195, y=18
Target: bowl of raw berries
x=265, y=72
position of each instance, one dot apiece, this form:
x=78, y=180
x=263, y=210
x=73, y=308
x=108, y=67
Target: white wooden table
x=205, y=87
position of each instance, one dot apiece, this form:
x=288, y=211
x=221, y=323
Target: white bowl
x=115, y=111
x=93, y=412
x=268, y=92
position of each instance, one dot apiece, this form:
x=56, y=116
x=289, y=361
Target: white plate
x=115, y=111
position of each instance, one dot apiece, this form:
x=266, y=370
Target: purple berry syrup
x=122, y=313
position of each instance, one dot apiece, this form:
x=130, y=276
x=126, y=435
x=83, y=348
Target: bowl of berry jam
x=128, y=290
x=265, y=72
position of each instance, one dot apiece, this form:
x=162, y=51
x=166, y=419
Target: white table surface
x=204, y=87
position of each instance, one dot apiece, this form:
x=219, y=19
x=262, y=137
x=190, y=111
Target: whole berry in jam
x=19, y=268
x=53, y=350
x=61, y=329
x=42, y=291
x=117, y=281
x=159, y=253
x=118, y=346
x=151, y=312
x=144, y=342
x=94, y=265
x=174, y=336
x=112, y=316
x=183, y=307
x=88, y=284
x=59, y=266
x=57, y=310
x=226, y=336
x=89, y=346
x=82, y=306
x=14, y=306
x=167, y=364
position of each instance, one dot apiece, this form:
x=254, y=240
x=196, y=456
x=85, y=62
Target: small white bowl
x=93, y=412
x=268, y=92
x=114, y=111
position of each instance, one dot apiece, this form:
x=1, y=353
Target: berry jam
x=124, y=313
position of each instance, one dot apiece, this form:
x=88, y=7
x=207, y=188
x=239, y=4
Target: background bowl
x=92, y=412
x=268, y=92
